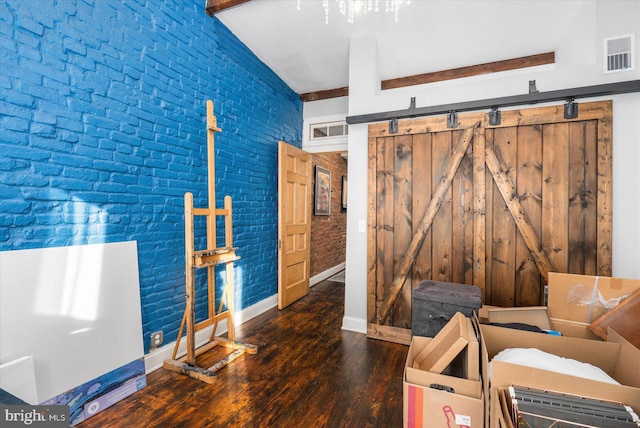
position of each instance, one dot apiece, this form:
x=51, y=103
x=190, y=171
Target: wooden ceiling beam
x=473, y=70
x=215, y=6
x=323, y=95
x=438, y=76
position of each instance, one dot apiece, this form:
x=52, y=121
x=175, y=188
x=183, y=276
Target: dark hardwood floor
x=307, y=373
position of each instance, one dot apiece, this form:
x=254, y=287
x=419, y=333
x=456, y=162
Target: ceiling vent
x=618, y=54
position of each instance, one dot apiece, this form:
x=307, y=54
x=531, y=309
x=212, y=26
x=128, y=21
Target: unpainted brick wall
x=102, y=111
x=329, y=233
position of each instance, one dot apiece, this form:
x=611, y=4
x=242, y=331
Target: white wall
x=579, y=60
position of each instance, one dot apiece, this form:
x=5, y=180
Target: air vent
x=618, y=54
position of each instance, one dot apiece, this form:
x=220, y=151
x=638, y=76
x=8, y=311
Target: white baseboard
x=326, y=274
x=155, y=358
x=358, y=325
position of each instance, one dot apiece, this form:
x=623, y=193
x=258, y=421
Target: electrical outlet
x=156, y=339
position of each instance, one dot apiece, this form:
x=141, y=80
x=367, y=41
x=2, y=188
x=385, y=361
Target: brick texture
x=102, y=111
x=329, y=233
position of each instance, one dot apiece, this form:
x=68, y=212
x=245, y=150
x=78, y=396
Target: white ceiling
x=430, y=35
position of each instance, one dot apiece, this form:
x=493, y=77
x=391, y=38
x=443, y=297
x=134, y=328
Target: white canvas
x=75, y=309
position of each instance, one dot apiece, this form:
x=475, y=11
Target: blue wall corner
x=102, y=111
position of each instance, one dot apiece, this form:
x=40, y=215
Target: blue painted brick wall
x=102, y=112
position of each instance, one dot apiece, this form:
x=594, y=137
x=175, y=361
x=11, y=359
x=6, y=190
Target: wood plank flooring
x=307, y=373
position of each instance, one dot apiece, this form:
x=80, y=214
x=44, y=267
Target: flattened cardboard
x=623, y=319
x=585, y=298
x=473, y=353
x=484, y=369
x=617, y=357
x=424, y=406
x=504, y=415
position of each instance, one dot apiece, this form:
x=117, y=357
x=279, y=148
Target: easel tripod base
x=209, y=375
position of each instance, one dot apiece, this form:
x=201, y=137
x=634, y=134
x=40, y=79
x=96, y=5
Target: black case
x=433, y=303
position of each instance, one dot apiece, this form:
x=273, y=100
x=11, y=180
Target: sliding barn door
x=494, y=206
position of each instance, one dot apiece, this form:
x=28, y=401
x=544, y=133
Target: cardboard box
x=537, y=316
x=617, y=357
x=574, y=301
x=436, y=400
x=454, y=351
x=483, y=313
x=573, y=329
x=533, y=315
x=504, y=412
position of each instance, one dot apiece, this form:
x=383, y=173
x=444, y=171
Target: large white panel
x=76, y=310
x=19, y=378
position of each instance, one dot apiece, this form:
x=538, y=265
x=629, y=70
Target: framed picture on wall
x=322, y=201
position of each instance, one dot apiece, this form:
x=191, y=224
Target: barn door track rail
x=533, y=97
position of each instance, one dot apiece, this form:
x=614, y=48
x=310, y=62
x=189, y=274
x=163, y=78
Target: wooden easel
x=208, y=258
